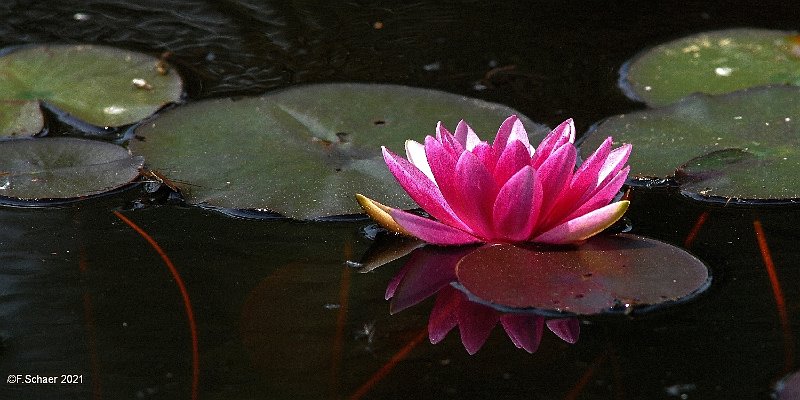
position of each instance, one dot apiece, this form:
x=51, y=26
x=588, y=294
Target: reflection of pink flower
x=476, y=321
x=505, y=191
x=430, y=270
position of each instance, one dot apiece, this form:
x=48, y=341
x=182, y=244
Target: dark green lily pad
x=713, y=63
x=743, y=145
x=303, y=152
x=607, y=273
x=103, y=86
x=63, y=168
x=20, y=118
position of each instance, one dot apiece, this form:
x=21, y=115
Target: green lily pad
x=742, y=145
x=20, y=118
x=713, y=63
x=303, y=152
x=103, y=86
x=608, y=273
x=63, y=168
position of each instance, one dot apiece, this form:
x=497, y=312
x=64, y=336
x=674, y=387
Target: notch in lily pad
x=715, y=62
x=620, y=273
x=44, y=170
x=741, y=147
x=97, y=85
x=305, y=151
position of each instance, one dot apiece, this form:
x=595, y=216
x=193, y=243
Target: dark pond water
x=268, y=309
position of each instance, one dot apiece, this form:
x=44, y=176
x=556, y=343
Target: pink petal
x=614, y=163
x=475, y=322
x=415, y=152
x=511, y=130
x=564, y=133
x=602, y=195
x=585, y=226
x=432, y=231
x=581, y=188
x=447, y=140
x=511, y=160
x=474, y=199
x=524, y=330
x=444, y=315
x=466, y=136
x=483, y=151
x=441, y=131
x=555, y=174
x=568, y=329
x=586, y=175
x=517, y=206
x=421, y=189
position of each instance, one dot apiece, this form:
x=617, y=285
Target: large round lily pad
x=607, y=273
x=63, y=168
x=103, y=86
x=714, y=63
x=20, y=118
x=303, y=152
x=743, y=145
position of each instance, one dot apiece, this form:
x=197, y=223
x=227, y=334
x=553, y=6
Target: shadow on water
x=278, y=313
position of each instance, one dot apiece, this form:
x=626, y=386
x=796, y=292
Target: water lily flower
x=505, y=191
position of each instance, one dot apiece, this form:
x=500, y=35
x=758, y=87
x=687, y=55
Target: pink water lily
x=504, y=191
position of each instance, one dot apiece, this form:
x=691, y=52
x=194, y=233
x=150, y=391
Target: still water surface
x=268, y=309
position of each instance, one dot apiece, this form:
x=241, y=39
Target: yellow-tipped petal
x=380, y=213
x=585, y=226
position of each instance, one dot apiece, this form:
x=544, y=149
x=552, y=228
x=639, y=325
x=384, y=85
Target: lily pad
x=63, y=168
x=713, y=63
x=20, y=118
x=302, y=152
x=743, y=145
x=101, y=85
x=607, y=273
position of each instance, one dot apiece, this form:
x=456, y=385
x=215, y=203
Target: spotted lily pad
x=63, y=168
x=20, y=118
x=607, y=273
x=713, y=63
x=100, y=85
x=302, y=152
x=743, y=145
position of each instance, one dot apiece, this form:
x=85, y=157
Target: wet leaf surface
x=101, y=85
x=607, y=273
x=63, y=168
x=714, y=63
x=303, y=152
x=20, y=118
x=742, y=145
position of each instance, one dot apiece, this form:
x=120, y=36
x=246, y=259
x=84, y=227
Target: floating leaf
x=714, y=63
x=607, y=273
x=743, y=145
x=103, y=86
x=302, y=152
x=20, y=118
x=63, y=168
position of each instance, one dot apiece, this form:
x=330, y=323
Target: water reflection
x=431, y=271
